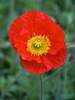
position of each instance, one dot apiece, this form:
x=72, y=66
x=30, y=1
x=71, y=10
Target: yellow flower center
x=38, y=45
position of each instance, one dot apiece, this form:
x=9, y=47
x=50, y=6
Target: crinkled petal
x=34, y=67
x=55, y=61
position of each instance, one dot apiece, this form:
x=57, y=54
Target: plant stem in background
x=41, y=88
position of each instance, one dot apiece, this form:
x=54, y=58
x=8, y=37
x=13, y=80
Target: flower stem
x=41, y=88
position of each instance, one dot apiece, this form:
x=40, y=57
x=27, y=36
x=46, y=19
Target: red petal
x=27, y=56
x=55, y=60
x=48, y=62
x=34, y=67
x=20, y=31
x=57, y=39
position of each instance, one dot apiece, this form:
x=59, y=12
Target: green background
x=15, y=82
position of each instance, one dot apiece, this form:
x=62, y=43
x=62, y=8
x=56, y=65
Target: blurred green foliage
x=18, y=84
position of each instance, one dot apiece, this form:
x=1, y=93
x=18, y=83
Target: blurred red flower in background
x=39, y=42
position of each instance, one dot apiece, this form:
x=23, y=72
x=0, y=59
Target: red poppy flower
x=39, y=42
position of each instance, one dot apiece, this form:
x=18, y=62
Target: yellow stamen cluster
x=38, y=45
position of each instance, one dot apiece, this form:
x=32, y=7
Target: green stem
x=41, y=88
